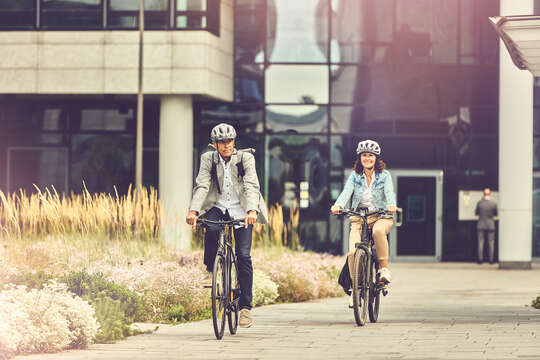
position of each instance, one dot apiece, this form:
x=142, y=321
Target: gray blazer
x=205, y=194
x=486, y=211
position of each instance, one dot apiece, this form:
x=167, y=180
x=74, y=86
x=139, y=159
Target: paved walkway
x=433, y=311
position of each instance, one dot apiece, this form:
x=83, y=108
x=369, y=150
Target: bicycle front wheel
x=360, y=287
x=234, y=296
x=375, y=294
x=219, y=296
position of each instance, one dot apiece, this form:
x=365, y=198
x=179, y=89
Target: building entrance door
x=419, y=194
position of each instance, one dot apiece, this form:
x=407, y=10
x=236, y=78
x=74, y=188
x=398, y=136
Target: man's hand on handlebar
x=251, y=218
x=391, y=209
x=336, y=209
x=191, y=218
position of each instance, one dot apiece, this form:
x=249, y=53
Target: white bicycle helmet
x=368, y=146
x=222, y=131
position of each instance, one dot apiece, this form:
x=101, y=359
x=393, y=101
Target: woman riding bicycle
x=370, y=186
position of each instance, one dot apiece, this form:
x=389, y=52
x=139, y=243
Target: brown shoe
x=245, y=318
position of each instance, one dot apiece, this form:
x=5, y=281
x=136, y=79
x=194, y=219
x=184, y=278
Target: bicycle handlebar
x=363, y=212
x=220, y=222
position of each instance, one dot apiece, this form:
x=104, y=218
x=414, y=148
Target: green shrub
x=96, y=286
x=536, y=302
x=32, y=280
x=176, y=313
x=110, y=316
x=116, y=306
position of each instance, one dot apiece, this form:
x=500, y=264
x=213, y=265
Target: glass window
x=245, y=118
x=45, y=167
x=352, y=119
x=190, y=5
x=536, y=155
x=297, y=31
x=301, y=163
x=17, y=14
x=479, y=43
x=102, y=161
x=71, y=14
x=151, y=167
x=297, y=118
x=361, y=30
x=32, y=125
x=426, y=31
x=388, y=93
x=249, y=31
x=301, y=84
x=125, y=14
x=536, y=217
x=249, y=83
x=479, y=85
x=106, y=119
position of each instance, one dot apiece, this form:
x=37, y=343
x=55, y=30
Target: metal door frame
x=439, y=176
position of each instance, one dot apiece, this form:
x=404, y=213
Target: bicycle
x=366, y=285
x=225, y=284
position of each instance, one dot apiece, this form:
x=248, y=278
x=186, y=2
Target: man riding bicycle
x=370, y=186
x=227, y=187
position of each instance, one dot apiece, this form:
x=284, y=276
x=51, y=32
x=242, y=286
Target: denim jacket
x=383, y=190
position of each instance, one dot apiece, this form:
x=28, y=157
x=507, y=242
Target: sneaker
x=384, y=275
x=207, y=280
x=245, y=318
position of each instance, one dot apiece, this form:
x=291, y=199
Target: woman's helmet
x=222, y=131
x=368, y=146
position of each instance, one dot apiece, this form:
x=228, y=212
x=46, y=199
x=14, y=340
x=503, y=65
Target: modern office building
x=302, y=81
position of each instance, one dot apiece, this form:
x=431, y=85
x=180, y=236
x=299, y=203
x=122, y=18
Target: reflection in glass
x=361, y=30
x=536, y=217
x=297, y=31
x=479, y=43
x=336, y=159
x=106, y=119
x=249, y=31
x=249, y=83
x=190, y=5
x=297, y=118
x=71, y=14
x=192, y=21
x=426, y=31
x=45, y=167
x=388, y=93
x=245, y=118
x=303, y=84
x=296, y=160
x=134, y=5
x=102, y=162
x=33, y=126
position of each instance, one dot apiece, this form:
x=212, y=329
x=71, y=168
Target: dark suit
x=486, y=211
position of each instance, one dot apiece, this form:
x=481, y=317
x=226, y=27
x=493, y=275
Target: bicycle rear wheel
x=375, y=294
x=234, y=296
x=219, y=296
x=360, y=291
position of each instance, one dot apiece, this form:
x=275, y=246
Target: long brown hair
x=359, y=168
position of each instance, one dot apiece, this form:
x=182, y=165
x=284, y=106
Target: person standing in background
x=486, y=210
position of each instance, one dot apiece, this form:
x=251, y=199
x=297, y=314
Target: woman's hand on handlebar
x=335, y=209
x=391, y=209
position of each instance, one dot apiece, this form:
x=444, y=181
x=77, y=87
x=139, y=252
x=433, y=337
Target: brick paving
x=433, y=311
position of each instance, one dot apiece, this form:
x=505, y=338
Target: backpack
x=239, y=165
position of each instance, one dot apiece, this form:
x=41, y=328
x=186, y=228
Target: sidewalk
x=433, y=311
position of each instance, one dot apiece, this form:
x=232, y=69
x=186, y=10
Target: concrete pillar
x=515, y=153
x=176, y=167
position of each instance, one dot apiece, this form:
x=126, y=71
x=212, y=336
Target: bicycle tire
x=219, y=297
x=375, y=295
x=232, y=313
x=360, y=292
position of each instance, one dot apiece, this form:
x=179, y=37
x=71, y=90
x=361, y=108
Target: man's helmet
x=368, y=146
x=222, y=131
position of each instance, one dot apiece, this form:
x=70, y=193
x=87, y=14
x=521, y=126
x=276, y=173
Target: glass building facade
x=311, y=79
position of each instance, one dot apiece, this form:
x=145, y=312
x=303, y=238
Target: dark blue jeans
x=242, y=249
